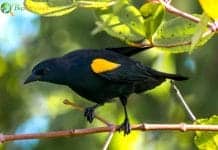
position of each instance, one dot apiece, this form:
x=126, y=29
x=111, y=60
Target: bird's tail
x=164, y=75
x=174, y=76
x=128, y=51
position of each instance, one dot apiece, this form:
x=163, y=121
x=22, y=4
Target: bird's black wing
x=128, y=51
x=127, y=70
x=121, y=71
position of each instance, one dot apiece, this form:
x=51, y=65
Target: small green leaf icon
x=5, y=8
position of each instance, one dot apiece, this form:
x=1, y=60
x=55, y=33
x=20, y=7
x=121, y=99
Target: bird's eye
x=41, y=71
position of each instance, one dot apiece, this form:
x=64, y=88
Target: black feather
x=128, y=51
x=74, y=70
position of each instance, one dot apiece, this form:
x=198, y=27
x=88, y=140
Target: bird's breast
x=98, y=89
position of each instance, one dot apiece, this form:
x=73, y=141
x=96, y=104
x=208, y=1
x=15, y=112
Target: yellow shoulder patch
x=100, y=65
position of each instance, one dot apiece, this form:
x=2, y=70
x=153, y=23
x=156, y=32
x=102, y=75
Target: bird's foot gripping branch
x=206, y=125
x=99, y=76
x=146, y=26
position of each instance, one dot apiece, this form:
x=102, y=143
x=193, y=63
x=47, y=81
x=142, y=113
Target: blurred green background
x=25, y=39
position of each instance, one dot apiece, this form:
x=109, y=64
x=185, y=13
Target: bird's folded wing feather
x=121, y=72
x=128, y=51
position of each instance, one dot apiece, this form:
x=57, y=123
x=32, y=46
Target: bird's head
x=50, y=70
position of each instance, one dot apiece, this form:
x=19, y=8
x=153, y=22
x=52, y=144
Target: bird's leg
x=90, y=112
x=125, y=125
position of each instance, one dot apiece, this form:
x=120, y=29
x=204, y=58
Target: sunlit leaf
x=207, y=140
x=176, y=35
x=50, y=7
x=128, y=14
x=58, y=8
x=94, y=4
x=210, y=7
x=153, y=14
x=201, y=28
x=165, y=63
x=123, y=21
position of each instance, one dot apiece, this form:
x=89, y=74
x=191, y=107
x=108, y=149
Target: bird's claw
x=89, y=114
x=125, y=126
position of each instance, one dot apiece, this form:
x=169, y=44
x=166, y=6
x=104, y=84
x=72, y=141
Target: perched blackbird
x=101, y=75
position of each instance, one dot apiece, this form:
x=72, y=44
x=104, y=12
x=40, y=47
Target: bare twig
x=113, y=127
x=110, y=136
x=78, y=132
x=181, y=98
x=81, y=109
x=171, y=9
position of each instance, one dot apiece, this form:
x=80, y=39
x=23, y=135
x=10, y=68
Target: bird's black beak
x=31, y=78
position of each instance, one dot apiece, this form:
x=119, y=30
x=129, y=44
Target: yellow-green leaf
x=210, y=7
x=165, y=63
x=95, y=4
x=200, y=30
x=176, y=35
x=122, y=21
x=50, y=7
x=153, y=14
x=131, y=16
x=207, y=140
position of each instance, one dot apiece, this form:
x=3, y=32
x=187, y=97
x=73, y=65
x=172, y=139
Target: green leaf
x=153, y=14
x=207, y=140
x=201, y=28
x=122, y=21
x=49, y=7
x=176, y=35
x=165, y=63
x=130, y=15
x=95, y=4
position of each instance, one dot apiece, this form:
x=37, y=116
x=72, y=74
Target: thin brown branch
x=112, y=127
x=78, y=132
x=171, y=9
x=81, y=109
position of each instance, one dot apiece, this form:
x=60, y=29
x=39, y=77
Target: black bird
x=101, y=75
